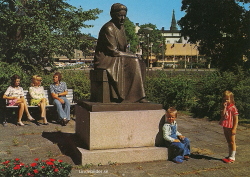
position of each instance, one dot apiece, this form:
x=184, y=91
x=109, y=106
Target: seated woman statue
x=125, y=70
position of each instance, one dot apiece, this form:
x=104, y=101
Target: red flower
x=49, y=163
x=52, y=160
x=56, y=170
x=6, y=162
x=33, y=164
x=36, y=159
x=60, y=161
x=17, y=159
x=17, y=167
x=22, y=164
x=43, y=166
x=35, y=171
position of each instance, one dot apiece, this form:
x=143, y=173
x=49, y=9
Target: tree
x=87, y=44
x=33, y=31
x=220, y=27
x=155, y=38
x=132, y=38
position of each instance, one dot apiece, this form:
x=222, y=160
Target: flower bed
x=39, y=168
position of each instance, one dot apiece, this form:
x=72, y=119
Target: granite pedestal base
x=125, y=155
x=124, y=135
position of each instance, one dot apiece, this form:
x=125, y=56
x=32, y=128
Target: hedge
x=188, y=91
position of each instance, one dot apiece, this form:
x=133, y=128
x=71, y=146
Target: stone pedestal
x=120, y=132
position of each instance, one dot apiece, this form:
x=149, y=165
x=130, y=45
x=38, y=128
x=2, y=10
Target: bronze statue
x=125, y=70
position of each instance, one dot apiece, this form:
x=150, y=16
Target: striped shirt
x=231, y=111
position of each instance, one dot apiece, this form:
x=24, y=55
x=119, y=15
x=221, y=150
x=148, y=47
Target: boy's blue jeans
x=177, y=150
x=63, y=110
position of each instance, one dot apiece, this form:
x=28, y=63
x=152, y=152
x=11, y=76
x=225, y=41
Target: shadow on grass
x=67, y=143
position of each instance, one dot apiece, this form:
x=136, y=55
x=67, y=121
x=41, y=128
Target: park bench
x=27, y=97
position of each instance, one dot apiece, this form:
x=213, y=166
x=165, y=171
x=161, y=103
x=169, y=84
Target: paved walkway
x=208, y=147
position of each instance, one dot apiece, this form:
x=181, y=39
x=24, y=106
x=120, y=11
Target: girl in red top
x=229, y=121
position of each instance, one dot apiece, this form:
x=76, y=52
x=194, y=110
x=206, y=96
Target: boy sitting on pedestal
x=178, y=145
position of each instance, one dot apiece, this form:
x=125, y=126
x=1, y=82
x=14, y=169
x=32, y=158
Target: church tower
x=173, y=26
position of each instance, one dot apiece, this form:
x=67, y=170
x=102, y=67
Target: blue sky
x=157, y=12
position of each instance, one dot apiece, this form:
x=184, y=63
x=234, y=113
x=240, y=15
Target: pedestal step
x=125, y=155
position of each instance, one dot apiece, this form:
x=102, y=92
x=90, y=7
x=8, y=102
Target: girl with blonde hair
x=229, y=121
x=38, y=98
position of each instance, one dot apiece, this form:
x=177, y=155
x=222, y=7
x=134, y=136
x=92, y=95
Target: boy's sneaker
x=178, y=159
x=178, y=162
x=228, y=160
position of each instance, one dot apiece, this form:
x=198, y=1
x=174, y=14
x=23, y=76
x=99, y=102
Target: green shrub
x=175, y=91
x=242, y=98
x=200, y=94
x=209, y=93
x=79, y=81
x=197, y=92
x=7, y=71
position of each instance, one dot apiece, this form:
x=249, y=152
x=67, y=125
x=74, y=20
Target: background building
x=177, y=48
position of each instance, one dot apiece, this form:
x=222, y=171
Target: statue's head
x=118, y=13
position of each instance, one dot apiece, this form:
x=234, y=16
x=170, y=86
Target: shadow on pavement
x=198, y=156
x=67, y=143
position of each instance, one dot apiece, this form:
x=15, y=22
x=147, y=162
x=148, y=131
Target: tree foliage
x=87, y=44
x=155, y=37
x=33, y=31
x=132, y=38
x=220, y=27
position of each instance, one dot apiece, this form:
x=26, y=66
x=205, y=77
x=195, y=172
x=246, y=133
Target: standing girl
x=229, y=121
x=15, y=96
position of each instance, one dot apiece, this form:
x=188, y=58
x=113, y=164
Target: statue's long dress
x=125, y=73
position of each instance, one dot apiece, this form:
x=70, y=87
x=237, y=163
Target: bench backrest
x=27, y=96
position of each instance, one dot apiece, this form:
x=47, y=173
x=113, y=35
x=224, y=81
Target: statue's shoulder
x=109, y=26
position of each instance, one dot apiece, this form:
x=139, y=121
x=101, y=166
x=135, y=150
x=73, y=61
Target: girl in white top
x=15, y=96
x=37, y=94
